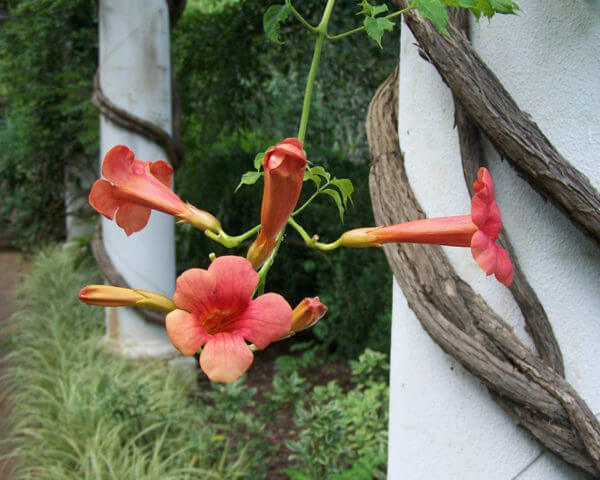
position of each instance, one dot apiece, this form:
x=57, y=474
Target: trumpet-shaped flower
x=132, y=188
x=308, y=312
x=109, y=296
x=216, y=312
x=284, y=166
x=479, y=230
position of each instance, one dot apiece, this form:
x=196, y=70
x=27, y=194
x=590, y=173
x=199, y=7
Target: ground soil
x=12, y=266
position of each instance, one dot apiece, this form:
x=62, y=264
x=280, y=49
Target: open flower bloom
x=133, y=187
x=479, y=230
x=284, y=166
x=109, y=296
x=308, y=312
x=215, y=310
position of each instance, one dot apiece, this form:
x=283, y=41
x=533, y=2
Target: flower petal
x=185, y=332
x=480, y=208
x=504, y=269
x=103, y=198
x=236, y=280
x=493, y=223
x=132, y=217
x=118, y=164
x=484, y=252
x=225, y=357
x=195, y=291
x=163, y=172
x=484, y=181
x=266, y=319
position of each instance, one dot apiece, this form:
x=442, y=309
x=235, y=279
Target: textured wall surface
x=443, y=423
x=135, y=74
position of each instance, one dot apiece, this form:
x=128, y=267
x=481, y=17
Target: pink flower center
x=220, y=321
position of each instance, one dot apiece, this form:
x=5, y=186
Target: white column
x=135, y=75
x=443, y=422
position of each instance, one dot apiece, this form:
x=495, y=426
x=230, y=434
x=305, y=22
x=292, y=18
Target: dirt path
x=11, y=267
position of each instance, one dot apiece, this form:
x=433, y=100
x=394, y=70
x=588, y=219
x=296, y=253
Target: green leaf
x=272, y=19
x=346, y=189
x=460, y=3
x=483, y=6
x=258, y=160
x=249, y=178
x=504, y=6
x=435, y=11
x=375, y=28
x=308, y=175
x=337, y=199
x=318, y=170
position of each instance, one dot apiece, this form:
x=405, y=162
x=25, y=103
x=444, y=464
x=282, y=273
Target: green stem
x=360, y=29
x=301, y=18
x=228, y=241
x=308, y=202
x=322, y=34
x=311, y=242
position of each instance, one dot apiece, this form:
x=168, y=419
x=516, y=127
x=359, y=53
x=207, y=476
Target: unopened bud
x=109, y=296
x=359, y=237
x=308, y=312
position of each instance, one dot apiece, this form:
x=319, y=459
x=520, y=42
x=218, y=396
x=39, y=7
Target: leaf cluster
x=437, y=10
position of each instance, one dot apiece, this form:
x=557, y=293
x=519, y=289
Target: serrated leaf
x=308, y=175
x=272, y=19
x=504, y=6
x=258, y=160
x=435, y=11
x=337, y=199
x=371, y=10
x=483, y=7
x=346, y=189
x=249, y=178
x=376, y=27
x=318, y=170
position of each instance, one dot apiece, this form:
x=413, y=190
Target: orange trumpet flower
x=133, y=188
x=284, y=166
x=479, y=230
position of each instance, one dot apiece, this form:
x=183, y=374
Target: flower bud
x=109, y=296
x=308, y=312
x=360, y=237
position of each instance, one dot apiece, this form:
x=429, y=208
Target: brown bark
x=460, y=321
x=514, y=134
x=471, y=151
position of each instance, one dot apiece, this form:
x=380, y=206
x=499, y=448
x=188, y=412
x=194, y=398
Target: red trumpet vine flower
x=284, y=166
x=133, y=187
x=215, y=310
x=479, y=230
x=308, y=312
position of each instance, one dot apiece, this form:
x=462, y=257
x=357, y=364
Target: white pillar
x=443, y=422
x=135, y=74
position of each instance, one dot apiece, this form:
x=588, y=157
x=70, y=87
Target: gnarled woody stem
x=459, y=320
x=514, y=134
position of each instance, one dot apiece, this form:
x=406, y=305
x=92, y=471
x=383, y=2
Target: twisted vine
x=532, y=392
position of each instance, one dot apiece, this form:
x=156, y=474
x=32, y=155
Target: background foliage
x=240, y=94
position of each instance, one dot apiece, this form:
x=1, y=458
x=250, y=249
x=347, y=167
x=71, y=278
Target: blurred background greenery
x=239, y=94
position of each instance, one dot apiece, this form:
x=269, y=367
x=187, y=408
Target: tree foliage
x=48, y=54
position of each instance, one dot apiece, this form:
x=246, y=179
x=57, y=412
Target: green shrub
x=343, y=434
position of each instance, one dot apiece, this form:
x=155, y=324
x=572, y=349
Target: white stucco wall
x=135, y=74
x=443, y=423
